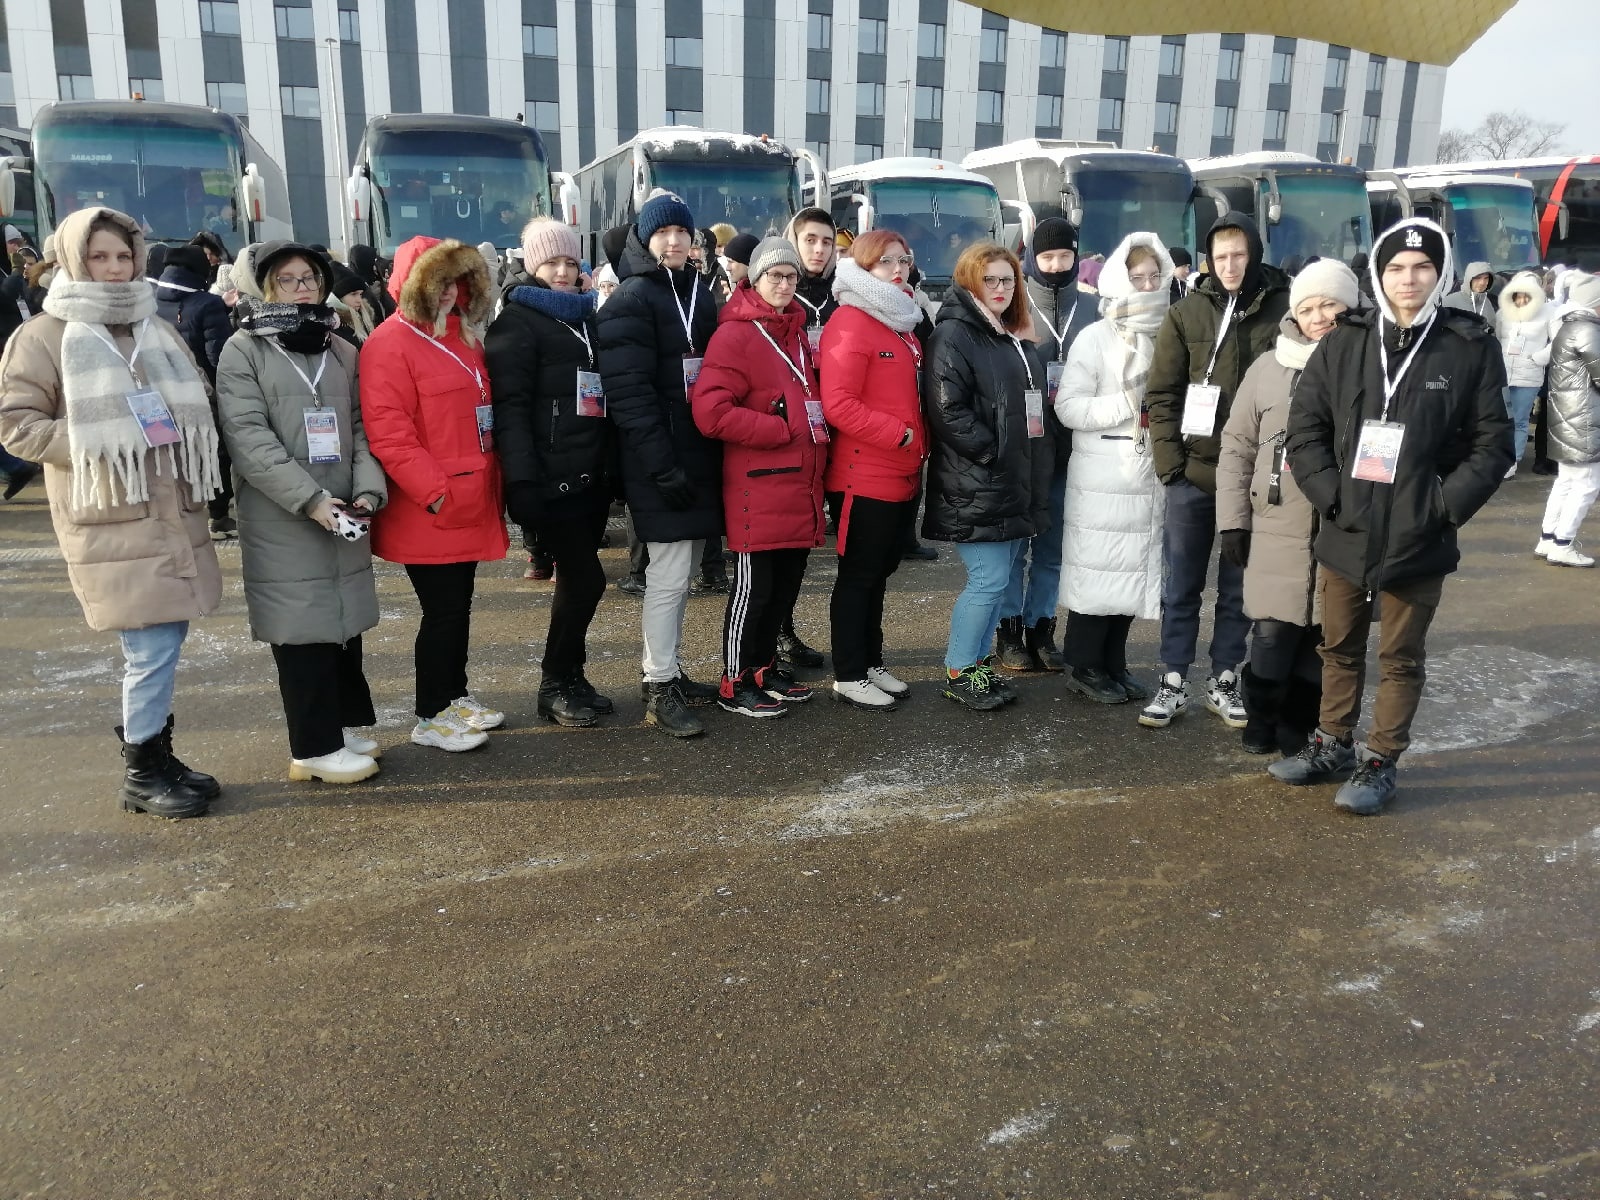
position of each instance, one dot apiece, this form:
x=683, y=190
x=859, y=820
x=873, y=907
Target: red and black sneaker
x=740, y=694
x=780, y=685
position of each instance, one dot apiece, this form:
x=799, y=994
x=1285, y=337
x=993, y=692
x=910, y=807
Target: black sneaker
x=633, y=585
x=664, y=708
x=796, y=653
x=745, y=696
x=1097, y=685
x=1322, y=758
x=780, y=685
x=709, y=585
x=1371, y=787
x=998, y=683
x=973, y=688
x=696, y=695
x=584, y=690
x=223, y=528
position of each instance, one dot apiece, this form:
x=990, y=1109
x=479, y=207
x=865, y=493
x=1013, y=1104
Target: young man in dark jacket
x=1398, y=434
x=1207, y=343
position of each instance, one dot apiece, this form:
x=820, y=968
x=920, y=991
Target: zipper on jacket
x=555, y=415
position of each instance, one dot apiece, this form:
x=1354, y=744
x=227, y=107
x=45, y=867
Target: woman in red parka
x=425, y=405
x=870, y=363
x=757, y=393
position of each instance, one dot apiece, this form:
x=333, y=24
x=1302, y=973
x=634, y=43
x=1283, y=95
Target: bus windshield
x=1324, y=215
x=1117, y=203
x=1493, y=224
x=938, y=218
x=446, y=183
x=174, y=181
x=753, y=197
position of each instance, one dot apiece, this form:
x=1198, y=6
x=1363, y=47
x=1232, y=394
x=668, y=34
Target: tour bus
x=937, y=206
x=477, y=179
x=1567, y=193
x=15, y=145
x=177, y=169
x=1302, y=206
x=1107, y=193
x=1490, y=218
x=753, y=183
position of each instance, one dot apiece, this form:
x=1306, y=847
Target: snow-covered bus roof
x=907, y=168
x=1260, y=160
x=1058, y=150
x=671, y=138
x=1456, y=179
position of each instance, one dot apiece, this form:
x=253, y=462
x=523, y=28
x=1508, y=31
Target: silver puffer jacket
x=1574, y=395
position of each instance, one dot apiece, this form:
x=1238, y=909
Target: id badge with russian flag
x=154, y=417
x=816, y=423
x=1378, y=452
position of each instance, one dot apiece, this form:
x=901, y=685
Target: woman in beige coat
x=110, y=401
x=1267, y=526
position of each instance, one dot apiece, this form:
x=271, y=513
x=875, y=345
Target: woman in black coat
x=554, y=441
x=989, y=474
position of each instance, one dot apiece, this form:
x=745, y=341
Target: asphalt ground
x=1039, y=953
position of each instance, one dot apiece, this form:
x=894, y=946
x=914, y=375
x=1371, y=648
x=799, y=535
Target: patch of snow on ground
x=1490, y=695
x=1026, y=1125
x=1359, y=985
x=1589, y=1020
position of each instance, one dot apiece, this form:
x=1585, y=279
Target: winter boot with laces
x=1322, y=758
x=197, y=781
x=664, y=707
x=795, y=653
x=1171, y=699
x=1371, y=787
x=1009, y=648
x=974, y=688
x=584, y=691
x=561, y=701
x=1263, y=701
x=1040, y=640
x=1222, y=698
x=152, y=782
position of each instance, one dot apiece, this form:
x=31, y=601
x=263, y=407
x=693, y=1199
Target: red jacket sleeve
x=723, y=389
x=389, y=407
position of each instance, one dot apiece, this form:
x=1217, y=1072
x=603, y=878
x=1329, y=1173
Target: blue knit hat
x=661, y=211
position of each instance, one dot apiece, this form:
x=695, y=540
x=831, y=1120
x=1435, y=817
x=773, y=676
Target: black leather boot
x=1263, y=706
x=559, y=701
x=584, y=691
x=1040, y=640
x=197, y=781
x=152, y=782
x=1301, y=713
x=1008, y=647
x=795, y=652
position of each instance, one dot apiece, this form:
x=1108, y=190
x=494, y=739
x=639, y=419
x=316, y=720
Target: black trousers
x=761, y=599
x=324, y=693
x=445, y=592
x=1096, y=643
x=573, y=542
x=874, y=534
x=1280, y=651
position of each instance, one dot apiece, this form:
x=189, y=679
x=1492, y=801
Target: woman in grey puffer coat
x=1572, y=406
x=286, y=391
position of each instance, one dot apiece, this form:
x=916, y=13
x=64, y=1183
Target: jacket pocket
x=759, y=472
x=115, y=514
x=448, y=415
x=466, y=497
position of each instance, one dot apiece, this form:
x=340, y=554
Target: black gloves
x=1235, y=547
x=675, y=489
x=524, y=504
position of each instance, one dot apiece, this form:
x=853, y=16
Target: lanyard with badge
x=145, y=403
x=322, y=425
x=1201, y=401
x=1378, y=451
x=814, y=326
x=591, y=394
x=814, y=418
x=691, y=364
x=1032, y=398
x=1055, y=367
x=484, y=411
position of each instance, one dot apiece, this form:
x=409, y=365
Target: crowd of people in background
x=1094, y=436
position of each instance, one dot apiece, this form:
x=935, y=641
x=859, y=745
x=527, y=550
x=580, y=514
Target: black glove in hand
x=1236, y=547
x=675, y=489
x=524, y=504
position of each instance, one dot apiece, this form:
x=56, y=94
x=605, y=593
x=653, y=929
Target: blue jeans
x=151, y=655
x=1186, y=541
x=977, y=610
x=1519, y=407
x=1038, y=603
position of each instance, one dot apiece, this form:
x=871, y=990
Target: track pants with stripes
x=765, y=585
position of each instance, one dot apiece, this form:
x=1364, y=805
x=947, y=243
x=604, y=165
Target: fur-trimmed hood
x=1524, y=283
x=422, y=268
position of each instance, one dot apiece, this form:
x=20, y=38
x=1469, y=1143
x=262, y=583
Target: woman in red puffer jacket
x=757, y=393
x=425, y=405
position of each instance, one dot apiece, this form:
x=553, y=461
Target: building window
x=1282, y=67
x=150, y=89
x=685, y=116
x=8, y=90
x=930, y=104
x=293, y=23
x=819, y=31
x=1049, y=115
x=227, y=97
x=1171, y=59
x=869, y=99
x=299, y=102
x=991, y=108
x=349, y=25
x=866, y=152
x=1375, y=68
x=1110, y=114
x=926, y=151
x=75, y=87
x=1228, y=65
x=1328, y=128
x=930, y=41
x=684, y=52
x=816, y=96
x=1334, y=76
x=539, y=41
x=1116, y=57
x=1277, y=127
x=992, y=46
x=1222, y=121
x=1369, y=131
x=1166, y=117
x=873, y=36
x=1052, y=49
x=219, y=16
x=546, y=114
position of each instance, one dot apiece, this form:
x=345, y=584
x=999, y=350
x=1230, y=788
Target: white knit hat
x=1326, y=277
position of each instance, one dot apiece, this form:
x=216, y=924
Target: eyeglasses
x=996, y=282
x=296, y=283
x=890, y=260
x=783, y=278
x=1142, y=280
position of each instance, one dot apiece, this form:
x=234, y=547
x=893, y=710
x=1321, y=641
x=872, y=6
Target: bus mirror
x=1218, y=201
x=1401, y=192
x=863, y=212
x=819, y=177
x=253, y=189
x=8, y=188
x=1019, y=223
x=1072, y=204
x=1563, y=216
x=566, y=196
x=641, y=186
x=358, y=190
x=1274, y=199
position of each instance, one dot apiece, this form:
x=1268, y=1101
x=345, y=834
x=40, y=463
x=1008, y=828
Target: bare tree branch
x=1455, y=145
x=1514, y=135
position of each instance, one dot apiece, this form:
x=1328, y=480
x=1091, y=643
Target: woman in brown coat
x=111, y=402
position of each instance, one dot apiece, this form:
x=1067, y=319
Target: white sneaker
x=357, y=744
x=886, y=683
x=448, y=731
x=1222, y=698
x=863, y=694
x=342, y=766
x=1545, y=545
x=1512, y=473
x=1171, y=698
x=1568, y=556
x=477, y=715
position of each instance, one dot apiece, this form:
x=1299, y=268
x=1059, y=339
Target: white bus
x=1490, y=218
x=1301, y=205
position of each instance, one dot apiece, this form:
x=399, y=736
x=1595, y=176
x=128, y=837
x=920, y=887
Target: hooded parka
x=1480, y=304
x=1574, y=399
x=1525, y=331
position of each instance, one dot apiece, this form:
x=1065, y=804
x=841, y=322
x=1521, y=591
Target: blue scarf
x=572, y=307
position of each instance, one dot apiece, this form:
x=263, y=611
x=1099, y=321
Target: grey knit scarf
x=1137, y=317
x=858, y=287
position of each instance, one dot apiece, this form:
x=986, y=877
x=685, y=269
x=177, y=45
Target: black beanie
x=1055, y=233
x=1409, y=235
x=1180, y=257
x=740, y=248
x=188, y=258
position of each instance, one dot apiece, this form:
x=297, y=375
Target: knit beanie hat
x=1325, y=277
x=1180, y=257
x=774, y=252
x=1055, y=233
x=345, y=281
x=739, y=249
x=544, y=238
x=1584, y=290
x=1409, y=235
x=189, y=258
x=605, y=275
x=661, y=211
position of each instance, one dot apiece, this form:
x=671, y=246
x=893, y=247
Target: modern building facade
x=854, y=79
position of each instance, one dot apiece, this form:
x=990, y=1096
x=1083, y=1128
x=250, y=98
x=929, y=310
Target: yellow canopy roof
x=1424, y=30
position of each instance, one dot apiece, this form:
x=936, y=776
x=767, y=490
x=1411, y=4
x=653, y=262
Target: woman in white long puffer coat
x=1523, y=324
x=1111, y=547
